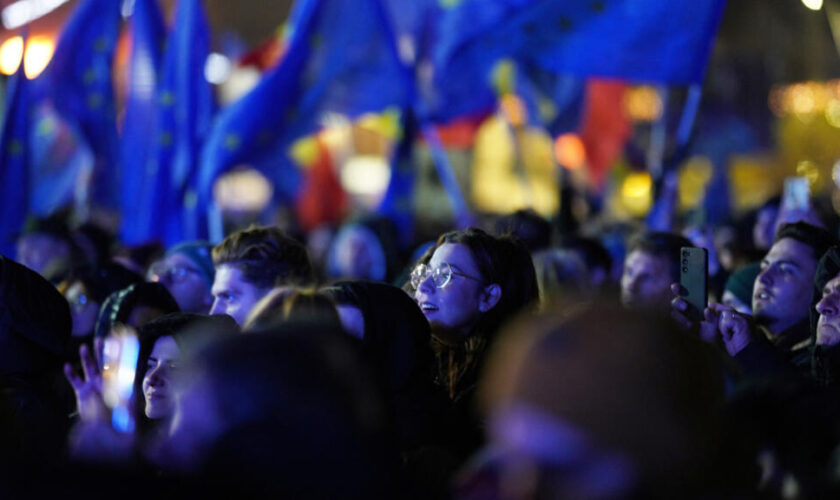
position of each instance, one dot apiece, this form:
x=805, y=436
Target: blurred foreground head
x=603, y=404
x=290, y=411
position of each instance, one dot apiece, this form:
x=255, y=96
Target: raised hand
x=88, y=388
x=707, y=328
x=735, y=328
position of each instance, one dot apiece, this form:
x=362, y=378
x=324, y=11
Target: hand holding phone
x=120, y=355
x=694, y=275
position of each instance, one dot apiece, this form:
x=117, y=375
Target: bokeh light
x=694, y=177
x=570, y=151
x=811, y=171
x=813, y=4
x=636, y=193
x=11, y=53
x=243, y=190
x=835, y=174
x=366, y=176
x=39, y=50
x=643, y=104
x=832, y=113
x=514, y=110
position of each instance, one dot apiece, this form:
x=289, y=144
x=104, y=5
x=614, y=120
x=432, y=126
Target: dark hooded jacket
x=825, y=360
x=35, y=327
x=396, y=343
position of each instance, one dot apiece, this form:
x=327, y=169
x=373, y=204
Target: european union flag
x=397, y=204
x=14, y=175
x=137, y=139
x=185, y=109
x=341, y=58
x=435, y=98
x=78, y=84
x=551, y=101
x=650, y=41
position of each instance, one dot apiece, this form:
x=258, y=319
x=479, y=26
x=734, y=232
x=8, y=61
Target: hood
x=35, y=321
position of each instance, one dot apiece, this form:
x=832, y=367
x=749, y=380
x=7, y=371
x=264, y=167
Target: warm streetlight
x=570, y=151
x=813, y=4
x=39, y=51
x=11, y=53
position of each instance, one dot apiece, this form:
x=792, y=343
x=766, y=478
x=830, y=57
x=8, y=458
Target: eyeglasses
x=441, y=275
x=78, y=303
x=176, y=274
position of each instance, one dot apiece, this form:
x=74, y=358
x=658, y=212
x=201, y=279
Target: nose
x=765, y=276
x=426, y=285
x=827, y=306
x=156, y=376
x=217, y=307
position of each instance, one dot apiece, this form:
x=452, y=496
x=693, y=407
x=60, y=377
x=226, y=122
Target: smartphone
x=796, y=195
x=119, y=365
x=694, y=277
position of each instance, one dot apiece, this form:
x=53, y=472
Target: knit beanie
x=740, y=283
x=199, y=254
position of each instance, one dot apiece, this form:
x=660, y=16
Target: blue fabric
x=341, y=58
x=638, y=40
x=185, y=110
x=398, y=204
x=552, y=101
x=439, y=98
x=138, y=137
x=78, y=83
x=14, y=178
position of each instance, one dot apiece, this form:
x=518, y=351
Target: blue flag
x=137, y=139
x=185, y=109
x=77, y=82
x=435, y=98
x=14, y=177
x=397, y=205
x=648, y=41
x=341, y=58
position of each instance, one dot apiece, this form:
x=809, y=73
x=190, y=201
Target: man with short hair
x=781, y=302
x=187, y=271
x=652, y=264
x=252, y=262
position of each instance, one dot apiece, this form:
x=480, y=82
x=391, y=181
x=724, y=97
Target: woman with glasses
x=187, y=272
x=467, y=285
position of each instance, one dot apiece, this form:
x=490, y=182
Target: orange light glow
x=514, y=110
x=11, y=53
x=569, y=151
x=39, y=50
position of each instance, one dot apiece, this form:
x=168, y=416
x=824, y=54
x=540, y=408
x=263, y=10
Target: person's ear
x=491, y=295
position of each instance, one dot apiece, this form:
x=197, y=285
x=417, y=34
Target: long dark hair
x=502, y=260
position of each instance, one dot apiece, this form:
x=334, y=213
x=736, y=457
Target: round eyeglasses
x=441, y=275
x=176, y=274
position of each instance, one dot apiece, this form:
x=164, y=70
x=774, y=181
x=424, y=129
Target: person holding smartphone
x=779, y=326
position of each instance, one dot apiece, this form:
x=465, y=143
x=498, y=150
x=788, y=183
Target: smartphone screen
x=119, y=356
x=694, y=275
x=796, y=196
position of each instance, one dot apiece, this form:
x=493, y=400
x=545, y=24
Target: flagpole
x=664, y=172
x=447, y=176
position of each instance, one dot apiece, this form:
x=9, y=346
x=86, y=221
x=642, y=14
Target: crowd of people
x=506, y=361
